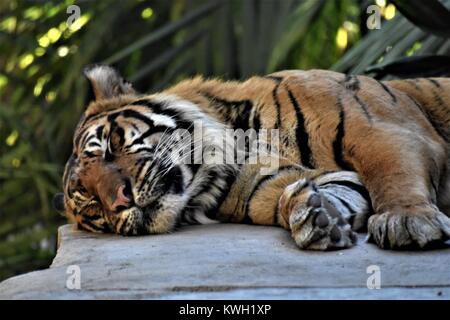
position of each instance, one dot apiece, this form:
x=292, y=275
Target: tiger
x=353, y=154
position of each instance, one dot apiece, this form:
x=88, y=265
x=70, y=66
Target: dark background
x=155, y=44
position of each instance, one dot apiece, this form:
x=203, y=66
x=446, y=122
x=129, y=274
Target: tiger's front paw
x=315, y=224
x=414, y=227
x=128, y=222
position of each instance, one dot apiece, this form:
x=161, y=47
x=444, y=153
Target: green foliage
x=400, y=37
x=431, y=16
x=154, y=43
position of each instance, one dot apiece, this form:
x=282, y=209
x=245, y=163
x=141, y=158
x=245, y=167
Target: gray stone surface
x=227, y=261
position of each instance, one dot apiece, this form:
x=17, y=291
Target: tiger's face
x=121, y=176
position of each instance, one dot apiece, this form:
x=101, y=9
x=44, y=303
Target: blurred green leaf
x=429, y=15
x=410, y=67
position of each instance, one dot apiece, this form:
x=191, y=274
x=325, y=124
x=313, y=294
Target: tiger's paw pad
x=317, y=225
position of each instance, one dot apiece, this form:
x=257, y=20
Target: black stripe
x=276, y=79
x=109, y=157
x=110, y=148
x=256, y=120
x=441, y=104
x=147, y=175
x=89, y=154
x=212, y=212
x=210, y=182
x=352, y=83
x=258, y=185
x=122, y=227
x=95, y=116
x=277, y=106
x=91, y=217
x=98, y=115
x=343, y=202
x=129, y=113
x=94, y=144
x=147, y=133
x=241, y=118
x=275, y=214
x=205, y=187
x=418, y=105
x=174, y=114
x=363, y=107
x=143, y=149
x=121, y=133
x=133, y=114
x=81, y=227
x=93, y=226
x=193, y=166
x=301, y=134
x=385, y=88
x=142, y=162
x=434, y=82
x=207, y=184
x=99, y=132
x=172, y=182
x=354, y=186
x=308, y=184
x=247, y=218
x=438, y=128
x=440, y=122
x=338, y=141
x=85, y=137
x=224, y=102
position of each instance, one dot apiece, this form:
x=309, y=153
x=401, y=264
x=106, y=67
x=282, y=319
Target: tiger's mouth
x=115, y=195
x=123, y=198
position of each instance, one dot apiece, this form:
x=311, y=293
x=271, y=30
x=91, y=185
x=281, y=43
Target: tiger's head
x=122, y=176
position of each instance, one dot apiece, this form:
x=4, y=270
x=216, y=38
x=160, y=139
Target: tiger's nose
x=123, y=199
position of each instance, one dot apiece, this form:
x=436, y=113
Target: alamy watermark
x=374, y=19
x=73, y=281
x=75, y=13
x=211, y=146
x=374, y=280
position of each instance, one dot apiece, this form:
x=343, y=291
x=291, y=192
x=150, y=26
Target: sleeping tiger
x=352, y=153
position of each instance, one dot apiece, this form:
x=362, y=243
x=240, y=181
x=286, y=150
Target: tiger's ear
x=106, y=82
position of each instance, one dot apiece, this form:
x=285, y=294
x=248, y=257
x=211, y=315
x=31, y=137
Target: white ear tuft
x=106, y=82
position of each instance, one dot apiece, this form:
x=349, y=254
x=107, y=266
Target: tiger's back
x=320, y=113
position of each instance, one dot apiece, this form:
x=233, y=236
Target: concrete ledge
x=226, y=261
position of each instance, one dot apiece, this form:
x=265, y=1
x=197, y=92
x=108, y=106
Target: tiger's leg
x=402, y=175
x=319, y=208
x=323, y=211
